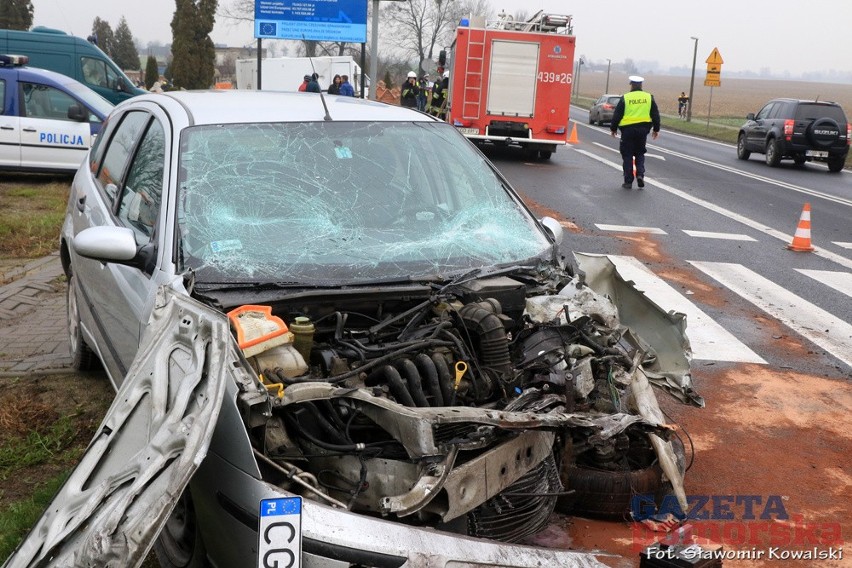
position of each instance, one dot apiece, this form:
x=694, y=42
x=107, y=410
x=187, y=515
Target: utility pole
x=692, y=81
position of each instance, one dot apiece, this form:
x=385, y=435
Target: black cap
x=307, y=77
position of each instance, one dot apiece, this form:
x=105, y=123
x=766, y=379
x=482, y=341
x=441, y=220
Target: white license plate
x=816, y=153
x=280, y=533
x=469, y=130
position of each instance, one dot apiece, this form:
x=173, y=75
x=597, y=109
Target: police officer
x=636, y=114
x=409, y=91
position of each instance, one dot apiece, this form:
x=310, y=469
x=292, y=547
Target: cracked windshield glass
x=343, y=202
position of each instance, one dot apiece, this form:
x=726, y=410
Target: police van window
x=140, y=199
x=42, y=101
x=118, y=152
x=95, y=72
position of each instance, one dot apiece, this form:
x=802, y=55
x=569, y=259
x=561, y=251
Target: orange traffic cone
x=802, y=238
x=572, y=139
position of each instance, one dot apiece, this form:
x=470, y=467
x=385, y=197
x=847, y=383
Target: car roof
x=809, y=101
x=27, y=73
x=244, y=106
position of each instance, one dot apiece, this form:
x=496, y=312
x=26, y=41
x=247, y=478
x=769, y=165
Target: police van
x=48, y=121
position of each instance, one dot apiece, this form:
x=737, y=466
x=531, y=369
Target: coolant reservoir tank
x=303, y=330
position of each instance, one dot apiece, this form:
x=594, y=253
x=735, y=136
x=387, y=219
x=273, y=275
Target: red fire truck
x=510, y=81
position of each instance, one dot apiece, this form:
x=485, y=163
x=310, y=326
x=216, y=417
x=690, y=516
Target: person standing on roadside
x=636, y=114
x=334, y=88
x=313, y=85
x=346, y=88
x=409, y=91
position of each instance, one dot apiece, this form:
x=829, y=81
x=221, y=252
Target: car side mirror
x=554, y=228
x=750, y=116
x=78, y=113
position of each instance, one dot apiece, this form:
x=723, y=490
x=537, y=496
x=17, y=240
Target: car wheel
x=823, y=132
x=773, y=153
x=82, y=356
x=591, y=119
x=179, y=544
x=544, y=154
x=603, y=494
x=742, y=153
x=799, y=160
x=835, y=165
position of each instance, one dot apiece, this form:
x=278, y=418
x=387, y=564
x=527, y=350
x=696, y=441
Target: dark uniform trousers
x=633, y=138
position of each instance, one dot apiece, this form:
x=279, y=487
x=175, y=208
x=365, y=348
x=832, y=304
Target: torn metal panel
x=152, y=439
x=664, y=333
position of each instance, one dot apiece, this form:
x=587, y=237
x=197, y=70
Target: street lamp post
x=580, y=63
x=608, y=65
x=692, y=80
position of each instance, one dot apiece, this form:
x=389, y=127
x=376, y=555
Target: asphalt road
x=733, y=264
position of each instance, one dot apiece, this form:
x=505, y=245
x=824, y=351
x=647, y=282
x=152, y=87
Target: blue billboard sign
x=320, y=20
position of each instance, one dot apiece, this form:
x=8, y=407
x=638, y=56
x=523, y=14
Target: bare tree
x=419, y=27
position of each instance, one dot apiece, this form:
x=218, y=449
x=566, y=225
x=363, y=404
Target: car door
x=124, y=188
x=756, y=134
x=10, y=130
x=49, y=139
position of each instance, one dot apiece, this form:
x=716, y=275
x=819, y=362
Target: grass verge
x=32, y=214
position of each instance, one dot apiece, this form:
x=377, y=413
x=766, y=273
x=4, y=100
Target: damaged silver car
x=339, y=338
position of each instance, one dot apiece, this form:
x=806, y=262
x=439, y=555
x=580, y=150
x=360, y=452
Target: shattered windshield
x=343, y=202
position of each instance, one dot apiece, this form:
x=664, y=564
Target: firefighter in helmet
x=409, y=91
x=439, y=96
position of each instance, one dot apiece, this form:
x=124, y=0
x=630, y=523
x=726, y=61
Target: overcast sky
x=781, y=35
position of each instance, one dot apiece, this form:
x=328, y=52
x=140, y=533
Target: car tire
x=82, y=356
x=799, y=160
x=742, y=153
x=544, y=154
x=179, y=544
x=773, y=153
x=591, y=119
x=608, y=495
x=836, y=164
x=829, y=132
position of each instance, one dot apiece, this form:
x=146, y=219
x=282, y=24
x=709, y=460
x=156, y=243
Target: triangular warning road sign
x=715, y=57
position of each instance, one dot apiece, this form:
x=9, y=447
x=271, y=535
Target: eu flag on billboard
x=320, y=20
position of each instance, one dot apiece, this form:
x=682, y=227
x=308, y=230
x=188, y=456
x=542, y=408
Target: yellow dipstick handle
x=461, y=367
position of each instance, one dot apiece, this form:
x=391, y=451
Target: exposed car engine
x=452, y=406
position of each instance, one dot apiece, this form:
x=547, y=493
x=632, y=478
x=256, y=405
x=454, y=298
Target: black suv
x=798, y=130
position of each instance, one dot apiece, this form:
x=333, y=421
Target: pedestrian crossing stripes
x=723, y=236
x=812, y=322
x=631, y=229
x=709, y=340
x=658, y=231
x=844, y=245
x=840, y=281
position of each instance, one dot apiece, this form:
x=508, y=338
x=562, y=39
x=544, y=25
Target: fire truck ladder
x=473, y=69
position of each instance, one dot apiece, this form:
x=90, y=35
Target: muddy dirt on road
x=772, y=474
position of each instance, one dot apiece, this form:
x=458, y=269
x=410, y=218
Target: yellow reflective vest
x=637, y=108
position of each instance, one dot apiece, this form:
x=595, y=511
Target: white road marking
x=840, y=281
x=819, y=326
x=616, y=150
x=786, y=237
x=630, y=229
x=843, y=245
x=709, y=340
x=724, y=236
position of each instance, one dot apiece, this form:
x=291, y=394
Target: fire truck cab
x=510, y=81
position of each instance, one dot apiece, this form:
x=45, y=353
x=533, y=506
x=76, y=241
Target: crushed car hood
x=151, y=441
